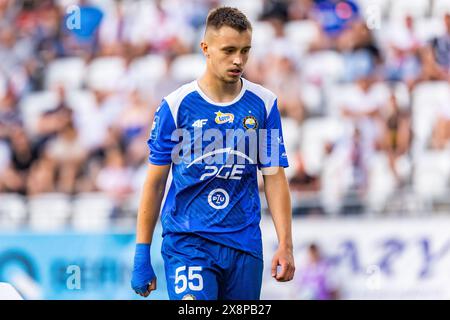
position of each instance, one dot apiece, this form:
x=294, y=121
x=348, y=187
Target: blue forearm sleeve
x=143, y=272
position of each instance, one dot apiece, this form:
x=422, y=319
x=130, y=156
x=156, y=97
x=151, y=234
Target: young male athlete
x=212, y=246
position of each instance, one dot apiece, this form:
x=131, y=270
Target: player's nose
x=237, y=61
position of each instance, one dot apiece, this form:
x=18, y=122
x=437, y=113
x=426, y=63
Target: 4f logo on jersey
x=199, y=123
x=222, y=118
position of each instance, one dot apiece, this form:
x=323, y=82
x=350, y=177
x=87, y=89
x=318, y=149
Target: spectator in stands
x=441, y=46
x=33, y=35
x=300, y=9
x=396, y=137
x=41, y=178
x=281, y=76
x=430, y=70
x=316, y=279
x=403, y=62
x=441, y=131
x=334, y=17
x=67, y=154
x=114, y=178
x=10, y=116
x=361, y=106
x=23, y=155
x=302, y=180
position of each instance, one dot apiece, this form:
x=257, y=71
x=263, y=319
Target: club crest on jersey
x=222, y=118
x=250, y=122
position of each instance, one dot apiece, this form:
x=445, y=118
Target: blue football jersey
x=214, y=160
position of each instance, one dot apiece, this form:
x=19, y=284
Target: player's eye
x=245, y=51
x=228, y=51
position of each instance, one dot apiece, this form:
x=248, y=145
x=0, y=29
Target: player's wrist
x=143, y=272
x=286, y=246
x=142, y=254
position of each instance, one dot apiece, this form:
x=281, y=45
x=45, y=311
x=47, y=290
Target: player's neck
x=218, y=90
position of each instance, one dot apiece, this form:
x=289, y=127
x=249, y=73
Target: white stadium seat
x=79, y=100
x=312, y=97
x=68, y=72
x=368, y=7
x=262, y=36
x=49, y=211
x=34, y=104
x=428, y=98
x=13, y=210
x=324, y=67
x=440, y=8
x=429, y=28
x=381, y=181
x=91, y=211
x=415, y=8
x=432, y=173
x=316, y=132
x=105, y=73
x=301, y=33
x=147, y=70
x=188, y=67
x=252, y=9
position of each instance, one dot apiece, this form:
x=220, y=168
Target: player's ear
x=204, y=47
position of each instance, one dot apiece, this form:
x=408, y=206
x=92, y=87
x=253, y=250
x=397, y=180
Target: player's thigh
x=190, y=278
x=190, y=269
x=244, y=280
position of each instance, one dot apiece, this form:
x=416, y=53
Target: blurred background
x=363, y=90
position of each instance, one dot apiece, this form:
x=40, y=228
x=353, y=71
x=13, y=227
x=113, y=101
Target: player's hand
x=146, y=290
x=143, y=279
x=284, y=258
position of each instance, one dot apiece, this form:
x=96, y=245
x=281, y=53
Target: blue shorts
x=199, y=269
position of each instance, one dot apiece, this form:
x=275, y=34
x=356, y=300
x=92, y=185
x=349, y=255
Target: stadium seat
x=35, y=104
x=68, y=72
x=13, y=210
x=49, y=211
x=79, y=100
x=312, y=97
x=301, y=34
x=105, y=73
x=367, y=7
x=316, y=132
x=91, y=211
x=323, y=67
x=428, y=98
x=252, y=9
x=336, y=179
x=440, y=8
x=381, y=183
x=431, y=175
x=429, y=28
x=187, y=67
x=291, y=136
x=402, y=95
x=262, y=36
x=147, y=70
x=415, y=8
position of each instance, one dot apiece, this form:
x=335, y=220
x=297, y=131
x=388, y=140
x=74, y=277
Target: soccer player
x=212, y=246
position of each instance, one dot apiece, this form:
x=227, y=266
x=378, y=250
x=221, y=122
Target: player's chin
x=232, y=78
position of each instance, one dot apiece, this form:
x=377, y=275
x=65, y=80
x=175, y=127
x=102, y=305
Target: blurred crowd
x=363, y=89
